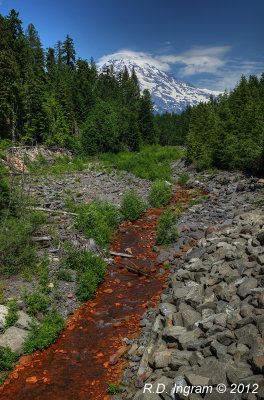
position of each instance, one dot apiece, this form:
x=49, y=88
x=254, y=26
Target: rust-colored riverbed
x=77, y=366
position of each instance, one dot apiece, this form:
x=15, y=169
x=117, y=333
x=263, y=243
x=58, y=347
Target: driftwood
x=137, y=271
x=41, y=239
x=113, y=253
x=54, y=211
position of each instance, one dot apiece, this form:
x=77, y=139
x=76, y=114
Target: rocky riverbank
x=208, y=328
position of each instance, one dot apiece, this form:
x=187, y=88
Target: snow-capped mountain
x=167, y=92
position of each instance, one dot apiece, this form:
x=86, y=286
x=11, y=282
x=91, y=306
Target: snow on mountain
x=167, y=92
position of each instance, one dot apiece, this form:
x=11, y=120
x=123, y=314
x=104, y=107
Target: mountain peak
x=167, y=92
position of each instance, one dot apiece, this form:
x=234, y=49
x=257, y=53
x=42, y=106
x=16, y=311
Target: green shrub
x=132, y=206
x=7, y=361
x=166, y=229
x=91, y=271
x=160, y=194
x=12, y=315
x=98, y=220
x=113, y=388
x=183, y=178
x=36, y=301
x=16, y=249
x=44, y=334
x=64, y=275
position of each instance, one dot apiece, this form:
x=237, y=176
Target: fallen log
x=53, y=211
x=136, y=271
x=41, y=239
x=113, y=253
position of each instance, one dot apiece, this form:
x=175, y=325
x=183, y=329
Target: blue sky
x=208, y=43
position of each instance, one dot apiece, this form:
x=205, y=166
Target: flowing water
x=77, y=366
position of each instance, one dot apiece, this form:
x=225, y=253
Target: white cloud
x=139, y=57
x=199, y=60
x=223, y=72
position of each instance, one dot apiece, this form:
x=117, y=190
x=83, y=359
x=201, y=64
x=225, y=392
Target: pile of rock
x=209, y=328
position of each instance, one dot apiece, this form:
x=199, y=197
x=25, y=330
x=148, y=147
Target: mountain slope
x=167, y=92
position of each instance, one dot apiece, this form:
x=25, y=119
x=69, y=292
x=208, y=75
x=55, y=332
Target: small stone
x=258, y=363
x=113, y=359
x=32, y=379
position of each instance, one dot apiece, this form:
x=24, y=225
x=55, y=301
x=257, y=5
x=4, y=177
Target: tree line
x=228, y=131
x=54, y=98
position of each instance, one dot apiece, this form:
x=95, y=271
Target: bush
x=36, y=301
x=166, y=229
x=44, y=334
x=160, y=194
x=91, y=271
x=132, y=206
x=98, y=220
x=183, y=178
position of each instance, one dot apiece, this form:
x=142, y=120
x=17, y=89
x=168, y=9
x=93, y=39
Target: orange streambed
x=77, y=366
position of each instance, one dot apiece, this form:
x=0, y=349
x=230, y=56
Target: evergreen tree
x=68, y=52
x=146, y=119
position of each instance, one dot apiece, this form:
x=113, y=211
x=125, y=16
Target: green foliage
x=132, y=206
x=12, y=315
x=7, y=360
x=228, y=131
x=183, y=178
x=44, y=334
x=64, y=275
x=160, y=194
x=91, y=271
x=152, y=162
x=36, y=302
x=166, y=229
x=113, y=388
x=98, y=220
x=4, y=190
x=16, y=249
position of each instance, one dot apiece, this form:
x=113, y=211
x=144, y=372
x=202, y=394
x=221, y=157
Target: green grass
x=44, y=334
x=98, y=220
x=91, y=270
x=151, y=163
x=160, y=194
x=132, y=205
